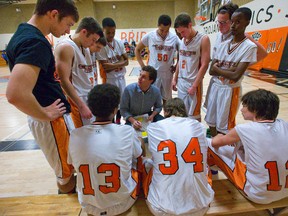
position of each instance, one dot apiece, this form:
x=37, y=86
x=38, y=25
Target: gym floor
x=24, y=169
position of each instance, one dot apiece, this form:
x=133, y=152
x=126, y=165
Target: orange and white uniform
x=220, y=40
x=258, y=165
x=110, y=53
x=177, y=184
x=224, y=97
x=161, y=57
x=105, y=157
x=82, y=79
x=189, y=63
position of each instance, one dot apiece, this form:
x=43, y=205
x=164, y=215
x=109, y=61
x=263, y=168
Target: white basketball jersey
x=110, y=53
x=189, y=57
x=102, y=156
x=82, y=74
x=161, y=50
x=94, y=65
x=229, y=55
x=220, y=39
x=266, y=158
x=179, y=153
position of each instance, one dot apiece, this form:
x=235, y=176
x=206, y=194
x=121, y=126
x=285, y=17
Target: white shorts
x=192, y=103
x=222, y=107
x=165, y=86
x=53, y=139
x=159, y=212
x=113, y=210
x=119, y=82
x=208, y=92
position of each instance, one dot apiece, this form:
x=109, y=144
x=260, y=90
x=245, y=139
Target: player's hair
x=108, y=22
x=182, y=20
x=102, y=40
x=152, y=72
x=64, y=7
x=176, y=107
x=228, y=8
x=164, y=20
x=264, y=103
x=245, y=11
x=91, y=25
x=103, y=99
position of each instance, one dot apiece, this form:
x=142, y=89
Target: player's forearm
x=139, y=58
x=228, y=139
x=108, y=67
x=28, y=104
x=200, y=76
x=232, y=75
x=154, y=113
x=71, y=93
x=176, y=74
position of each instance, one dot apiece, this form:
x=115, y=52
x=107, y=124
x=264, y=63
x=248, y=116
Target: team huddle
x=72, y=118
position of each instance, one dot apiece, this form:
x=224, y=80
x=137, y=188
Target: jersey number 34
x=191, y=154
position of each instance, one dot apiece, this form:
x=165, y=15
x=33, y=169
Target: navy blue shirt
x=29, y=46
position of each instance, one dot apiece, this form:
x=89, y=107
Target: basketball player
x=113, y=59
x=257, y=164
x=33, y=89
x=194, y=57
x=95, y=48
x=228, y=67
x=75, y=68
x=179, y=168
x=105, y=156
x=224, y=23
x=162, y=46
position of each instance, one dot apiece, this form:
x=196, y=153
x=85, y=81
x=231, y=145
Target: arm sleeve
x=158, y=103
x=125, y=104
x=34, y=52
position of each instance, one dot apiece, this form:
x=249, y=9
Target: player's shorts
x=116, y=209
x=230, y=159
x=159, y=212
x=53, y=139
x=78, y=120
x=164, y=83
x=119, y=82
x=208, y=92
x=222, y=107
x=192, y=103
x=147, y=178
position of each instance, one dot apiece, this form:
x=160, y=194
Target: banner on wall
x=123, y=34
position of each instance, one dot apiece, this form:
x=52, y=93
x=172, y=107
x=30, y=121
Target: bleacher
x=227, y=201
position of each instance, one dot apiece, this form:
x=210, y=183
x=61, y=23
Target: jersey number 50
x=191, y=154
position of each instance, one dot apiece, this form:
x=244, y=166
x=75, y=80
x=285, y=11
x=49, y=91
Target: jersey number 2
x=192, y=154
x=112, y=180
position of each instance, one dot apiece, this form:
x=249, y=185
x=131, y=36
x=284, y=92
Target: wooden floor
x=26, y=172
